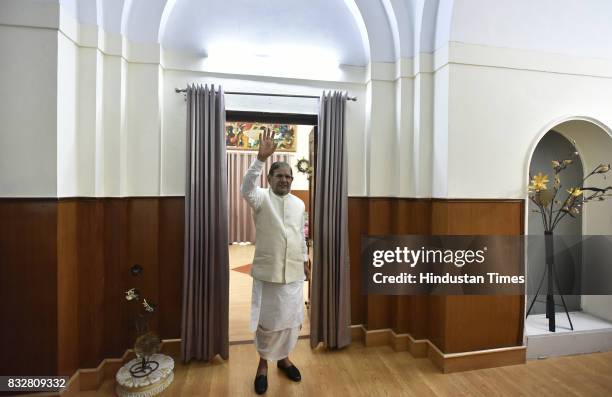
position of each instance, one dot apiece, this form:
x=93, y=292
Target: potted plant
x=147, y=342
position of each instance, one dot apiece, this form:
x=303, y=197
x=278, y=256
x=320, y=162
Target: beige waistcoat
x=280, y=249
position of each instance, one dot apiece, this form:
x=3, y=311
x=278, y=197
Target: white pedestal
x=150, y=385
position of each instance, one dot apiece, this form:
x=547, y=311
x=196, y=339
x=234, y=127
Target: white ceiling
x=355, y=31
x=200, y=26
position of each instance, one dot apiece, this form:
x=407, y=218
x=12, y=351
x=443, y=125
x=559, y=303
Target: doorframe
x=273, y=118
x=266, y=117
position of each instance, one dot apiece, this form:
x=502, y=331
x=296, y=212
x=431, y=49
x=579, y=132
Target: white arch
x=551, y=125
x=386, y=26
x=433, y=18
x=361, y=25
x=141, y=20
x=375, y=28
x=163, y=23
x=109, y=15
x=87, y=12
x=401, y=23
x=393, y=25
x=376, y=21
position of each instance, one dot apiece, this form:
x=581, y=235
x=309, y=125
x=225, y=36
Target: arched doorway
x=591, y=314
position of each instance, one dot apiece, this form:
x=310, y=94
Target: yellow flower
x=539, y=182
x=575, y=191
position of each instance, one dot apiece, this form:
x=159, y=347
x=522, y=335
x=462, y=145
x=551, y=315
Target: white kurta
x=277, y=308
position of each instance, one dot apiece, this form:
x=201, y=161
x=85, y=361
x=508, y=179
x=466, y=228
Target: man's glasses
x=283, y=176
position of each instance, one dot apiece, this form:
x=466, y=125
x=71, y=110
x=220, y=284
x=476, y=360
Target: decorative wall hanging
x=242, y=135
x=304, y=167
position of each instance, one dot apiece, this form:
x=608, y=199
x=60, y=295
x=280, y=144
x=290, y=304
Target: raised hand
x=266, y=145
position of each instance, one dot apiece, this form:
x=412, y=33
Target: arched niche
x=554, y=146
x=593, y=141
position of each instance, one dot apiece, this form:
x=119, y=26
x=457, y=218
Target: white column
x=381, y=142
x=28, y=93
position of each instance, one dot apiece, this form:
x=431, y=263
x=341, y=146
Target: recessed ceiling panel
x=266, y=28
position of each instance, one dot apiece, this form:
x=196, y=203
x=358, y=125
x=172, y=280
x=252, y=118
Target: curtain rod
x=178, y=90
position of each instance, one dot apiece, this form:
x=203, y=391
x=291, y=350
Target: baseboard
x=491, y=358
x=91, y=378
x=382, y=337
x=447, y=363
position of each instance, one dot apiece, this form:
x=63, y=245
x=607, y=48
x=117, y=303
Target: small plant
x=142, y=317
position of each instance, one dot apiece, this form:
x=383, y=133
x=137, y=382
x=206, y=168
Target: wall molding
x=445, y=362
x=520, y=59
x=52, y=16
x=89, y=379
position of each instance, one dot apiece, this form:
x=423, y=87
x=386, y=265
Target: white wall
x=404, y=141
x=381, y=145
x=442, y=140
x=421, y=156
x=118, y=127
x=67, y=138
x=143, y=130
x=300, y=181
x=28, y=127
x=110, y=131
x=463, y=118
x=497, y=114
x=88, y=93
x=554, y=26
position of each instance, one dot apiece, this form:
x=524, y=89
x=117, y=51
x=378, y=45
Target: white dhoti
x=277, y=312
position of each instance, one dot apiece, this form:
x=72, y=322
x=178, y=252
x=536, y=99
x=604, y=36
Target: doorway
x=299, y=142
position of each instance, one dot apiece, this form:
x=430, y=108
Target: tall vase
x=550, y=264
x=146, y=345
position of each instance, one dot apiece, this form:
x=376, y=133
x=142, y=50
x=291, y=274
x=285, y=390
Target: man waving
x=280, y=264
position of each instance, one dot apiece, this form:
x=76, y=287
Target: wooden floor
x=241, y=285
x=379, y=371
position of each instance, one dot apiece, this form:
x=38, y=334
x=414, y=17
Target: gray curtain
x=204, y=330
x=241, y=225
x=330, y=290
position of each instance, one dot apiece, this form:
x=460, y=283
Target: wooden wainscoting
x=65, y=268
x=28, y=286
x=452, y=324
x=446, y=362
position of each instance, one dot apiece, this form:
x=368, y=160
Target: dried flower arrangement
x=548, y=201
